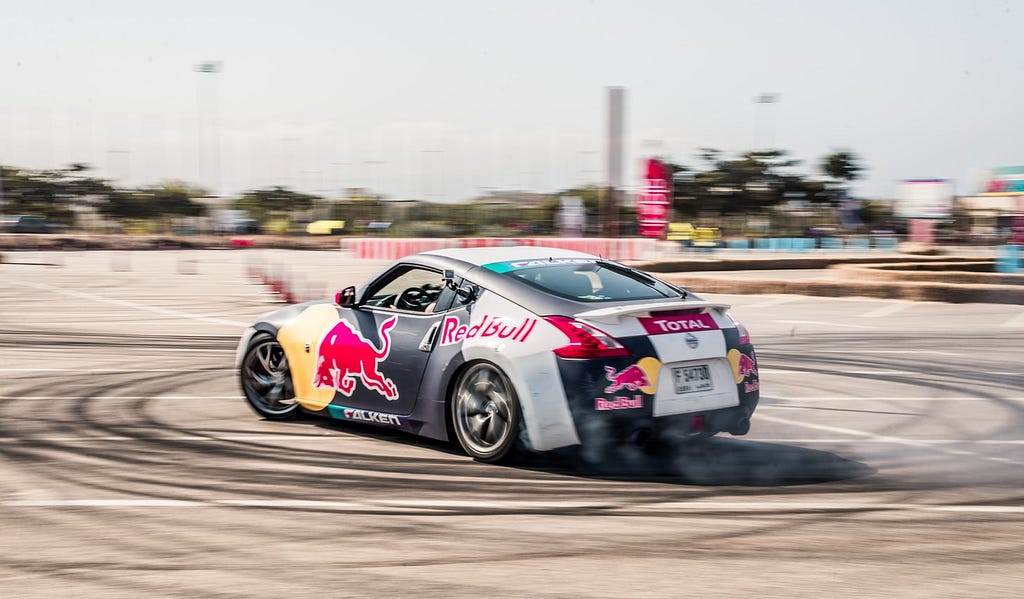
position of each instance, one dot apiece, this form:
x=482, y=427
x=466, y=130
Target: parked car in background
x=233, y=222
x=696, y=237
x=30, y=223
x=326, y=227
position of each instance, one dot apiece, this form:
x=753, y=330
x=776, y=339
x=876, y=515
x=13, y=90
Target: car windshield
x=588, y=280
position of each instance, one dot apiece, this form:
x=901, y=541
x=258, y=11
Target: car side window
x=461, y=293
x=409, y=288
x=444, y=301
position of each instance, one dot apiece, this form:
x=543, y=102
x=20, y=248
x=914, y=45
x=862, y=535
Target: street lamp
x=767, y=100
x=125, y=155
x=286, y=160
x=426, y=175
x=210, y=67
x=337, y=181
x=585, y=157
x=374, y=162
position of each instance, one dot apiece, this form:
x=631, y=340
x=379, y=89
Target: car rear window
x=586, y=280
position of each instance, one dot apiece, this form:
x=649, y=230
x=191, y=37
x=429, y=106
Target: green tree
x=49, y=193
x=167, y=200
x=751, y=182
x=176, y=199
x=842, y=166
x=267, y=202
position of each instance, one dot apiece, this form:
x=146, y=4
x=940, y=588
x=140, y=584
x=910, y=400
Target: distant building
x=992, y=211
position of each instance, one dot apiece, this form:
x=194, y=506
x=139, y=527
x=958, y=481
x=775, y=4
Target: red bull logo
x=631, y=377
x=343, y=355
x=746, y=367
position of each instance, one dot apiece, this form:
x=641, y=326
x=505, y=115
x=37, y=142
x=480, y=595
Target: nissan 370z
x=511, y=348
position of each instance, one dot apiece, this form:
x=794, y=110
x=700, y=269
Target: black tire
x=485, y=412
x=267, y=380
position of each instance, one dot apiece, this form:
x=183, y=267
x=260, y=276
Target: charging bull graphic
x=743, y=366
x=746, y=367
x=343, y=354
x=631, y=377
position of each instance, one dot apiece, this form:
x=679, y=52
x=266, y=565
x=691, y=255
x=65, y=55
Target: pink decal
x=752, y=386
x=746, y=367
x=688, y=323
x=631, y=377
x=453, y=331
x=344, y=355
x=619, y=403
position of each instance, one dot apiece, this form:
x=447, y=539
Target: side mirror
x=449, y=279
x=346, y=297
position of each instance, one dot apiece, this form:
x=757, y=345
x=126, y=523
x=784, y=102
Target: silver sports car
x=503, y=348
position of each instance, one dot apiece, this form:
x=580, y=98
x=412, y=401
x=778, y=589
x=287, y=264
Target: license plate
x=691, y=379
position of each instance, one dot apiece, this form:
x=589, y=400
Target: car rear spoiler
x=613, y=314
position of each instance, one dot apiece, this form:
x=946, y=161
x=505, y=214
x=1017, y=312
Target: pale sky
x=443, y=100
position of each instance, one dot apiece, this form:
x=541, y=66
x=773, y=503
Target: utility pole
x=210, y=67
x=610, y=202
x=766, y=101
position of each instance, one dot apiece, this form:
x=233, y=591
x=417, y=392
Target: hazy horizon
x=446, y=100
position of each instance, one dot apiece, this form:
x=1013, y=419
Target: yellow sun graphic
x=651, y=367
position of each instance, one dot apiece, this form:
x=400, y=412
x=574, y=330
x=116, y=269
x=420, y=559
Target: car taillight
x=740, y=330
x=585, y=341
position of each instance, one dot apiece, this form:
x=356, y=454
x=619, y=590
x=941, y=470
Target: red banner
x=652, y=203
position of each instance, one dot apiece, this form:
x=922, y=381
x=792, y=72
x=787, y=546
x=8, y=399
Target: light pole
x=337, y=177
x=653, y=147
x=427, y=179
x=210, y=67
x=766, y=100
x=125, y=156
x=370, y=163
x=585, y=170
x=286, y=160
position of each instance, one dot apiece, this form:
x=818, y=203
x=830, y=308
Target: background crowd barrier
x=802, y=244
x=380, y=248
x=630, y=248
x=1008, y=259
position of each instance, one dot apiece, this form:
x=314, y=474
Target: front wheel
x=267, y=380
x=485, y=412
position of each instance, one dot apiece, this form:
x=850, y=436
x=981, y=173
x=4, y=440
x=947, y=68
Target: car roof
x=488, y=255
x=469, y=263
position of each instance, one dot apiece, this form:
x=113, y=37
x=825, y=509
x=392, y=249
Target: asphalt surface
x=886, y=459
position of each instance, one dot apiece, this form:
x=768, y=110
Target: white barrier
x=380, y=248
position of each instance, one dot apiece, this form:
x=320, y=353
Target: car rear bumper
x=602, y=414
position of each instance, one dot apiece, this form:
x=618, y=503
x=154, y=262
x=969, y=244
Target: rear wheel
x=485, y=412
x=267, y=380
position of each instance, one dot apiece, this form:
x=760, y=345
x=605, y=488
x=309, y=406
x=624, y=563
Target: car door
x=375, y=355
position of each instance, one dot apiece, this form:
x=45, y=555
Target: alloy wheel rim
x=268, y=379
x=483, y=409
